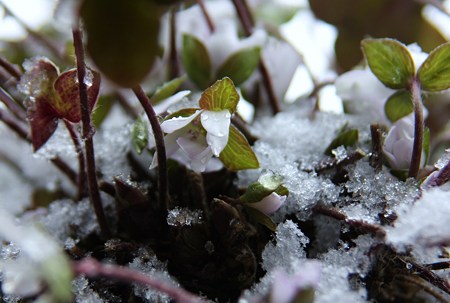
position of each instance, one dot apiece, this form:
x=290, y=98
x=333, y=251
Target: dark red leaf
x=43, y=121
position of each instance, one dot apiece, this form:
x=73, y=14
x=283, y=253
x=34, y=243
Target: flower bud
x=399, y=142
x=269, y=204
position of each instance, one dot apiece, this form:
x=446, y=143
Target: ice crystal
x=184, y=216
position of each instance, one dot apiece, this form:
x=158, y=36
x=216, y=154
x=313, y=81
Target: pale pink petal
x=166, y=103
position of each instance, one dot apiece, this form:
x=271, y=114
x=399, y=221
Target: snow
x=432, y=210
x=184, y=216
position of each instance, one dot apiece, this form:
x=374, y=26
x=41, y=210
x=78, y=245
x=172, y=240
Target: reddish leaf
x=43, y=121
x=66, y=101
x=40, y=73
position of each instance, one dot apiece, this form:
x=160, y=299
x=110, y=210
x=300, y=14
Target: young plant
x=195, y=135
x=392, y=64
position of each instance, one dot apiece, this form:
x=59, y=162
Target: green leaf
x=398, y=105
x=196, y=61
x=57, y=271
x=167, y=90
x=238, y=154
x=140, y=135
x=261, y=218
x=390, y=61
x=266, y=184
x=240, y=65
x=122, y=37
x=184, y=112
x=221, y=95
x=102, y=109
x=426, y=143
x=345, y=137
x=434, y=73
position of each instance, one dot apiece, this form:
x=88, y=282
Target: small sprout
x=346, y=137
x=140, y=135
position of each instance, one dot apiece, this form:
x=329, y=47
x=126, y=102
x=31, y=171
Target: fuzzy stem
x=418, y=129
x=94, y=269
x=81, y=181
x=12, y=105
x=208, y=19
x=10, y=68
x=94, y=194
x=160, y=147
x=247, y=24
x=375, y=157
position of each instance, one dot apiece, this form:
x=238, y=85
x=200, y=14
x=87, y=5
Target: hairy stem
x=81, y=182
x=160, y=147
x=418, y=129
x=94, y=194
x=94, y=269
x=247, y=24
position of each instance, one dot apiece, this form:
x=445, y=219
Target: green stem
x=418, y=129
x=160, y=147
x=94, y=193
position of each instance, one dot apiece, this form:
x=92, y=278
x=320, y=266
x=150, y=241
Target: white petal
x=190, y=147
x=170, y=142
x=162, y=106
x=200, y=163
x=216, y=122
x=245, y=109
x=216, y=143
x=176, y=123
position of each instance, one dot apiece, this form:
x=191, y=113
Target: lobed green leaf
x=238, y=154
x=398, y=105
x=241, y=65
x=390, y=61
x=196, y=61
x=221, y=95
x=434, y=73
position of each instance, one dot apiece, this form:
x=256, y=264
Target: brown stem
x=174, y=67
x=12, y=105
x=418, y=129
x=205, y=13
x=36, y=35
x=81, y=182
x=359, y=224
x=375, y=157
x=94, y=269
x=442, y=177
x=160, y=147
x=247, y=24
x=10, y=68
x=94, y=193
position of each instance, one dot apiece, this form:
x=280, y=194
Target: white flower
x=398, y=145
x=269, y=204
x=187, y=143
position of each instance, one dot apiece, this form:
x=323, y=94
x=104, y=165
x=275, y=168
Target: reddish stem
x=94, y=269
x=94, y=193
x=10, y=68
x=418, y=129
x=208, y=19
x=160, y=147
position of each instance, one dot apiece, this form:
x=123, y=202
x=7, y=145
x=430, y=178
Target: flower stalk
x=160, y=147
x=418, y=128
x=94, y=269
x=87, y=130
